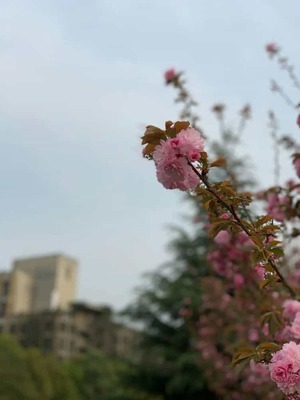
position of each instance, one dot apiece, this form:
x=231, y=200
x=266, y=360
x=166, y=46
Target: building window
x=23, y=328
x=84, y=334
x=82, y=350
x=5, y=288
x=48, y=326
x=12, y=329
x=47, y=344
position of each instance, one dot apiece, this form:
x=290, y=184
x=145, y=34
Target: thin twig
x=239, y=222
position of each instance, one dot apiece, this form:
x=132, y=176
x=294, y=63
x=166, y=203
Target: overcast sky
x=79, y=80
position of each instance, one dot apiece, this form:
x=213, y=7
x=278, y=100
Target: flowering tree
x=249, y=310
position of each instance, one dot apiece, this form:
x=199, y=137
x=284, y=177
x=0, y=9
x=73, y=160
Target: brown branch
x=240, y=223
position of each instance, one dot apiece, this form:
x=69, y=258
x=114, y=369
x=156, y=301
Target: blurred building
x=42, y=283
x=69, y=333
x=4, y=290
x=37, y=307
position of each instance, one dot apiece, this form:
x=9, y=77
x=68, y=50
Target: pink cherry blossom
x=290, y=183
x=170, y=75
x=172, y=170
x=238, y=280
x=244, y=239
x=293, y=396
x=265, y=329
x=171, y=157
x=272, y=48
x=276, y=205
x=222, y=238
x=285, y=367
x=175, y=173
x=295, y=328
x=164, y=151
x=259, y=271
x=175, y=143
x=285, y=335
x=225, y=216
x=290, y=309
x=191, y=143
x=296, y=275
x=297, y=166
x=253, y=335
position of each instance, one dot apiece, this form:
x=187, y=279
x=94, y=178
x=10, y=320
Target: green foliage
x=39, y=374
x=62, y=384
x=15, y=379
x=27, y=375
x=97, y=376
x=262, y=353
x=168, y=365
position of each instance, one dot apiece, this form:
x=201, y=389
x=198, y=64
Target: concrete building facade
x=4, y=292
x=42, y=283
x=37, y=307
x=69, y=333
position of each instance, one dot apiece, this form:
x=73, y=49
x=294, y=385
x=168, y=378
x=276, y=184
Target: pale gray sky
x=80, y=79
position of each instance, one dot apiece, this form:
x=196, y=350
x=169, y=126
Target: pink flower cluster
x=276, y=205
x=170, y=74
x=291, y=315
x=236, y=315
x=285, y=369
x=171, y=158
x=272, y=49
x=230, y=251
x=290, y=309
x=297, y=165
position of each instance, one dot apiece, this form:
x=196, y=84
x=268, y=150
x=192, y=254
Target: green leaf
x=257, y=241
x=257, y=256
x=245, y=354
x=268, y=346
x=217, y=227
x=265, y=282
x=263, y=220
x=268, y=267
x=277, y=251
